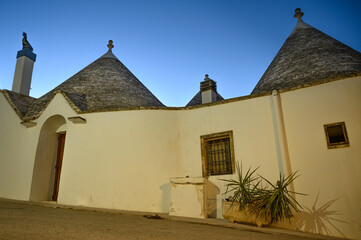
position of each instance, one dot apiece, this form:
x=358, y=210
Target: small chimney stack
x=24, y=68
x=208, y=90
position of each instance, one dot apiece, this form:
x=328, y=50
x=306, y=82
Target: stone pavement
x=47, y=220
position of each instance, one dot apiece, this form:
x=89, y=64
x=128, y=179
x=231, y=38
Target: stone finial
x=298, y=14
x=206, y=77
x=26, y=43
x=110, y=45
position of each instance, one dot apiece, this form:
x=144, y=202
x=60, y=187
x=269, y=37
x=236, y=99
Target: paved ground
x=22, y=221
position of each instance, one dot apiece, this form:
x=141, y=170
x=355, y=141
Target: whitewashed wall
x=16, y=154
x=123, y=159
x=253, y=135
x=330, y=177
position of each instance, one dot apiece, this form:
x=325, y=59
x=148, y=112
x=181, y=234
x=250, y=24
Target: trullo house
x=102, y=139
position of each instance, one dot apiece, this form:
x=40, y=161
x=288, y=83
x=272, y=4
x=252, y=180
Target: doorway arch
x=46, y=174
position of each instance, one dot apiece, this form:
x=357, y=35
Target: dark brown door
x=59, y=161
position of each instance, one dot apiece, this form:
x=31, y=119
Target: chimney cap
x=208, y=84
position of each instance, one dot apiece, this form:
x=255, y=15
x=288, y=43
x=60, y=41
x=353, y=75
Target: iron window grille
x=217, y=153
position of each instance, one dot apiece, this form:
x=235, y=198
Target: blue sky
x=169, y=45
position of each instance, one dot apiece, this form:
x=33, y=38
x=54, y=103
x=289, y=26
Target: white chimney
x=24, y=68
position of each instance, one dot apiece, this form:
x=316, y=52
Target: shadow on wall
x=318, y=220
x=212, y=193
x=166, y=190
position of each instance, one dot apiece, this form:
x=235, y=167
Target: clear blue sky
x=169, y=45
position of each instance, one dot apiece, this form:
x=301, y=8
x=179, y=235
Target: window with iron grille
x=217, y=153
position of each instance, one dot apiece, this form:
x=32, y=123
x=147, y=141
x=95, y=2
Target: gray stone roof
x=104, y=85
x=309, y=57
x=18, y=102
x=197, y=99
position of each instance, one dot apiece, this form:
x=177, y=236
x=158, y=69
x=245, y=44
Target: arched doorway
x=48, y=160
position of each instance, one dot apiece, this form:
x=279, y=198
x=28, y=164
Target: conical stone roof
x=308, y=57
x=19, y=102
x=197, y=99
x=104, y=85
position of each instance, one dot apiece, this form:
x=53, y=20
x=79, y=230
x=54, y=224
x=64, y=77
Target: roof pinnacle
x=298, y=14
x=110, y=45
x=26, y=43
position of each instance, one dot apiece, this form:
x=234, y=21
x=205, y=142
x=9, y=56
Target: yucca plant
x=244, y=187
x=269, y=204
x=276, y=203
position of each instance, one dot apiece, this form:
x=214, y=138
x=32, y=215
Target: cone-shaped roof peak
x=109, y=54
x=307, y=57
x=300, y=24
x=104, y=85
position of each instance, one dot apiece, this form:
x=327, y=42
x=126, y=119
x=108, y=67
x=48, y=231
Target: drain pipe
x=284, y=163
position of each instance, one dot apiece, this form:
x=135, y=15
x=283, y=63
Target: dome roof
x=308, y=57
x=104, y=85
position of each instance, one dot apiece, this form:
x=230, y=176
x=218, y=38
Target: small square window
x=336, y=135
x=217, y=153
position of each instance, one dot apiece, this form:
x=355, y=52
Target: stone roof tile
x=309, y=56
x=19, y=102
x=104, y=85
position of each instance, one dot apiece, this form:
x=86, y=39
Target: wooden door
x=59, y=161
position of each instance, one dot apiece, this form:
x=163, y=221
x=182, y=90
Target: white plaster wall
x=15, y=154
x=330, y=177
x=121, y=160
x=18, y=146
x=253, y=135
x=42, y=185
x=124, y=159
x=43, y=169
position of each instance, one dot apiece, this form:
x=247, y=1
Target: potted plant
x=258, y=205
x=276, y=202
x=245, y=189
